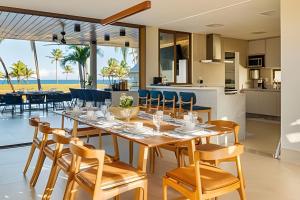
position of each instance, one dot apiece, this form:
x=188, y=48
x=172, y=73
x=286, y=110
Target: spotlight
x=54, y=37
x=63, y=41
x=122, y=32
x=106, y=37
x=127, y=44
x=77, y=28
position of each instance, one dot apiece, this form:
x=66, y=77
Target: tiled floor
x=266, y=178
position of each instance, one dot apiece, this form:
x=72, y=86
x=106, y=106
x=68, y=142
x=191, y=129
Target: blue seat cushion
x=195, y=107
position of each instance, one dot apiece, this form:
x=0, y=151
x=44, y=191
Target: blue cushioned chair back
x=106, y=95
x=88, y=94
x=143, y=93
x=74, y=93
x=81, y=95
x=66, y=96
x=11, y=99
x=169, y=95
x=155, y=94
x=36, y=98
x=187, y=96
x=97, y=96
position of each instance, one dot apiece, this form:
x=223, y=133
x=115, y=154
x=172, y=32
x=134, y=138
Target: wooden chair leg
x=145, y=190
x=117, y=197
x=32, y=150
x=38, y=168
x=152, y=160
x=242, y=193
x=68, y=189
x=100, y=140
x=130, y=152
x=51, y=182
x=165, y=190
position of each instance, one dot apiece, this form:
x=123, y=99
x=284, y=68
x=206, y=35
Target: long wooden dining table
x=146, y=142
x=149, y=141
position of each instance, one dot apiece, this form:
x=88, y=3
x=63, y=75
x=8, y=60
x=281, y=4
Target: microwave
x=256, y=61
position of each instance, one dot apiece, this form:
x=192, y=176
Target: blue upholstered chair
x=155, y=100
x=75, y=95
x=36, y=99
x=170, y=99
x=13, y=100
x=143, y=98
x=188, y=101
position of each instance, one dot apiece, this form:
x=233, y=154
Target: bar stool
x=143, y=99
x=187, y=103
x=36, y=143
x=155, y=100
x=170, y=99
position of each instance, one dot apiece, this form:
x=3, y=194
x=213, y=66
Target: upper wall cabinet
x=273, y=53
x=257, y=47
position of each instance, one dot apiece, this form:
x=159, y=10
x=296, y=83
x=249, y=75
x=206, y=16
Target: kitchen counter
x=227, y=107
x=260, y=90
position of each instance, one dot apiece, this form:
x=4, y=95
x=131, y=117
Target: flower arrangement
x=126, y=101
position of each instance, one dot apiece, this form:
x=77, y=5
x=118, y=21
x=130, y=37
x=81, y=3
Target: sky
x=13, y=50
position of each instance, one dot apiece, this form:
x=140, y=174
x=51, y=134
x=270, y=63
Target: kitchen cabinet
x=273, y=53
x=264, y=102
x=257, y=47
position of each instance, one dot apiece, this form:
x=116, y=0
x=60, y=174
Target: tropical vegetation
x=79, y=55
x=114, y=70
x=67, y=69
x=56, y=56
x=19, y=70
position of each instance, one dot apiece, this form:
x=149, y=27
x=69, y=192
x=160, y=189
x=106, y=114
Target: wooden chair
x=143, y=99
x=46, y=148
x=170, y=100
x=103, y=181
x=199, y=181
x=187, y=101
x=155, y=100
x=62, y=161
x=36, y=143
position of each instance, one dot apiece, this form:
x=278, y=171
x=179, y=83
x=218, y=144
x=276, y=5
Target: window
x=174, y=56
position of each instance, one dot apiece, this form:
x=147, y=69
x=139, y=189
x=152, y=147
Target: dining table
x=151, y=138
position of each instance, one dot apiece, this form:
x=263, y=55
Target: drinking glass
x=107, y=102
x=127, y=113
x=80, y=103
x=103, y=108
x=156, y=122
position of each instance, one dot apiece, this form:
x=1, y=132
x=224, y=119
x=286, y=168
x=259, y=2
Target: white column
x=93, y=63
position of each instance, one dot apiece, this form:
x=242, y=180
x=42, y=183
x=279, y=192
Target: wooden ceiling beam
x=126, y=13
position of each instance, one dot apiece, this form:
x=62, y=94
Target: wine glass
x=103, y=109
x=80, y=103
x=127, y=113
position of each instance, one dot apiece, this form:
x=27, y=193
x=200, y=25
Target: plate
x=188, y=130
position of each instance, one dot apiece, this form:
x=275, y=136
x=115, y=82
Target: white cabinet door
x=263, y=102
x=257, y=47
x=273, y=57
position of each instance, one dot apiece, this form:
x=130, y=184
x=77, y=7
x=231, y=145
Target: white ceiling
x=239, y=17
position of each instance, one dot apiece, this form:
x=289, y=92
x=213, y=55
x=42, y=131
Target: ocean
x=4, y=82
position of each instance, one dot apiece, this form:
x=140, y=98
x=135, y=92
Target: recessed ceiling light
x=127, y=44
x=106, y=37
x=268, y=13
x=214, y=25
x=258, y=32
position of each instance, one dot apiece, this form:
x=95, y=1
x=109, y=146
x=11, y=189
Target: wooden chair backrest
x=34, y=121
x=45, y=128
x=224, y=153
x=79, y=151
x=60, y=136
x=233, y=151
x=228, y=124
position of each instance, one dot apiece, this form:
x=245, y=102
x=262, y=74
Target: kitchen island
x=228, y=107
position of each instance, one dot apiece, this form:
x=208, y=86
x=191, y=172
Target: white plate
x=188, y=130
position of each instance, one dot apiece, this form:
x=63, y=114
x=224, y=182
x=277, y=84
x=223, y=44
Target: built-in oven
x=256, y=61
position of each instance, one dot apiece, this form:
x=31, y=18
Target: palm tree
x=124, y=51
x=79, y=55
x=68, y=69
x=56, y=56
x=28, y=74
x=2, y=76
x=18, y=70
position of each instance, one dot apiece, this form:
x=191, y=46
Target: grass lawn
x=33, y=87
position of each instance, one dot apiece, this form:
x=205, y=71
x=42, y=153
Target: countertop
x=186, y=87
x=260, y=90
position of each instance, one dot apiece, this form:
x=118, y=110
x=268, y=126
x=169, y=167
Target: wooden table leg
x=116, y=147
x=130, y=152
x=74, y=131
x=142, y=165
x=62, y=122
x=191, y=149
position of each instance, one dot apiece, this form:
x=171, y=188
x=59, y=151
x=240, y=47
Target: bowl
x=123, y=113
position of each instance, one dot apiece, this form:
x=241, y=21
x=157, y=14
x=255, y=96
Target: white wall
x=151, y=54
x=290, y=62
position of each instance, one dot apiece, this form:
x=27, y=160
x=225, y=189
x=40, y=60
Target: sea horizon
x=15, y=82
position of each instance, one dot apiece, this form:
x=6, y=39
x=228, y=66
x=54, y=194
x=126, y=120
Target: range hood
x=213, y=49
